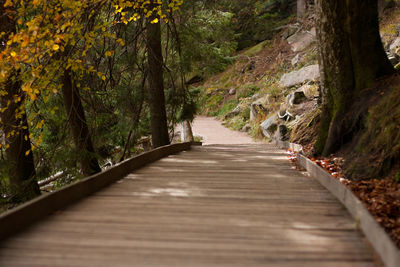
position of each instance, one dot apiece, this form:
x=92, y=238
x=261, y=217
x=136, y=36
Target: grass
x=252, y=51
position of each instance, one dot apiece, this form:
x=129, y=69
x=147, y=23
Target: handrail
x=19, y=218
x=376, y=235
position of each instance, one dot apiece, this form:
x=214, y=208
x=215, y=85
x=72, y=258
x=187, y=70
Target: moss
x=256, y=49
x=323, y=134
x=378, y=148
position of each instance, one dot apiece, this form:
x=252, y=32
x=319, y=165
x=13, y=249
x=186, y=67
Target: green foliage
x=256, y=20
x=248, y=90
x=236, y=123
x=397, y=177
x=226, y=107
x=207, y=41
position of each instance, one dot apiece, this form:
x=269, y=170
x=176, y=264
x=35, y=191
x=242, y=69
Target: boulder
x=269, y=126
x=301, y=40
x=258, y=106
x=295, y=98
x=282, y=133
x=307, y=89
x=232, y=91
x=306, y=74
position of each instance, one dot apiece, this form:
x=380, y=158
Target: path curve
x=212, y=132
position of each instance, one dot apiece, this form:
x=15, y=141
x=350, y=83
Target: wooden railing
x=19, y=218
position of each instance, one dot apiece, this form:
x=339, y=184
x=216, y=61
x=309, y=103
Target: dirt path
x=213, y=132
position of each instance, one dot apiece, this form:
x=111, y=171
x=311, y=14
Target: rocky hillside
x=271, y=91
x=271, y=87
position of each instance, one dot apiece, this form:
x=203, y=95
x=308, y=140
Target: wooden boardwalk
x=220, y=205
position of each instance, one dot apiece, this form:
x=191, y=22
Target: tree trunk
x=301, y=8
x=186, y=132
x=158, y=116
x=15, y=128
x=79, y=127
x=351, y=59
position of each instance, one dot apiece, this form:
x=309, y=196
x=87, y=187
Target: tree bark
x=186, y=132
x=158, y=115
x=301, y=8
x=351, y=58
x=79, y=127
x=15, y=127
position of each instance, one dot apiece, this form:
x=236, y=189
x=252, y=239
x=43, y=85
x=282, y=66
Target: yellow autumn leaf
x=121, y=42
x=8, y=3
x=27, y=152
x=56, y=47
x=109, y=53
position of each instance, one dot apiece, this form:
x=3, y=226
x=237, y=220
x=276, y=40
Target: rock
x=295, y=98
x=232, y=91
x=286, y=115
x=246, y=128
x=306, y=74
x=301, y=40
x=296, y=60
x=313, y=31
x=282, y=133
x=308, y=91
x=393, y=58
x=269, y=126
x=258, y=106
x=395, y=44
x=290, y=30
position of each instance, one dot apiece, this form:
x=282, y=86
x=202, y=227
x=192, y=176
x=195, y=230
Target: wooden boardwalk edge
x=376, y=235
x=22, y=216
